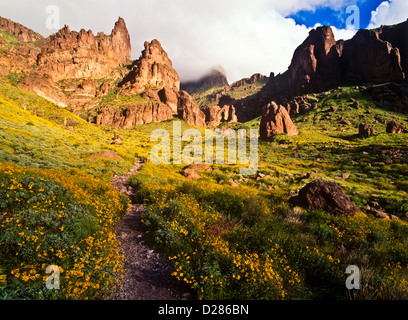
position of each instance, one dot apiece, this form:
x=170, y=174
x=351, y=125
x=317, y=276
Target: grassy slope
x=253, y=225
x=230, y=242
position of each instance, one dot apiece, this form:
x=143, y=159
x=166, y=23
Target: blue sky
x=334, y=17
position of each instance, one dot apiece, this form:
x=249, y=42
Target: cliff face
x=134, y=115
x=320, y=63
x=72, y=55
x=18, y=53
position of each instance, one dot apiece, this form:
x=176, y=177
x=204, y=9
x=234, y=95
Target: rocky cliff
x=19, y=47
x=22, y=33
x=71, y=55
x=153, y=77
x=321, y=63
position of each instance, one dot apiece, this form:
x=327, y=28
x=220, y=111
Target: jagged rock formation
x=214, y=78
x=215, y=115
x=153, y=77
x=189, y=111
x=153, y=68
x=23, y=33
x=383, y=64
x=321, y=63
x=73, y=55
x=276, y=120
x=19, y=55
x=253, y=79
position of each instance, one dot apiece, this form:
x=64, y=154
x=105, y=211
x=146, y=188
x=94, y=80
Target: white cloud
x=388, y=13
x=244, y=37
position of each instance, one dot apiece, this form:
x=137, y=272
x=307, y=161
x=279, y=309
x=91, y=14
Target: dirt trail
x=147, y=275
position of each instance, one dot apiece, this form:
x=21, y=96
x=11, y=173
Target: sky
x=244, y=37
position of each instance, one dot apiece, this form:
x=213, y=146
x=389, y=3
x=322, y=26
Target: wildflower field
x=246, y=243
x=55, y=217
x=239, y=240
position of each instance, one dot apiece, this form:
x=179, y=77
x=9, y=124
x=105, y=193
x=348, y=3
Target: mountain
x=216, y=77
x=93, y=75
x=150, y=93
x=321, y=63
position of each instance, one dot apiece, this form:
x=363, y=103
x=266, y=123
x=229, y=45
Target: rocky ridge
x=72, y=55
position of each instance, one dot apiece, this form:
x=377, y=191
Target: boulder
x=324, y=195
x=365, y=130
x=191, y=174
x=106, y=155
x=395, y=127
x=276, y=120
x=200, y=167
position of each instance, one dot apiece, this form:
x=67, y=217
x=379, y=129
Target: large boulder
x=395, y=127
x=324, y=195
x=276, y=120
x=365, y=130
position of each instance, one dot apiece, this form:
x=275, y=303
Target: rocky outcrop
x=134, y=115
x=320, y=63
x=383, y=64
x=22, y=33
x=73, y=55
x=257, y=77
x=153, y=78
x=393, y=95
x=215, y=115
x=324, y=195
x=214, y=78
x=395, y=127
x=315, y=67
x=42, y=85
x=276, y=120
x=365, y=130
x=170, y=97
x=18, y=55
x=189, y=111
x=153, y=68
